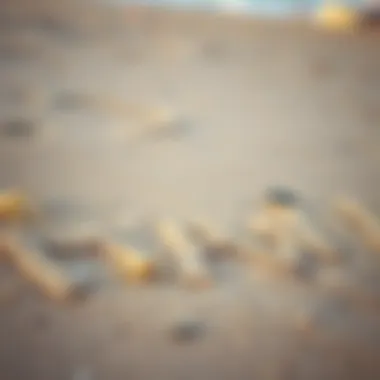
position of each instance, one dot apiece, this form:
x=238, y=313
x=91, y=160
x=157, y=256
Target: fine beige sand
x=84, y=93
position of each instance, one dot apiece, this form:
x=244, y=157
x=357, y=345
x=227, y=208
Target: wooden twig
x=359, y=221
x=128, y=262
x=43, y=273
x=193, y=270
x=288, y=232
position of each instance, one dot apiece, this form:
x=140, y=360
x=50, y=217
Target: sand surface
x=254, y=104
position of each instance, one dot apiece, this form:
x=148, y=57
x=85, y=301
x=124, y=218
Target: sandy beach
x=84, y=92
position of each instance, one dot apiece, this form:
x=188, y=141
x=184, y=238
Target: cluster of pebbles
x=39, y=241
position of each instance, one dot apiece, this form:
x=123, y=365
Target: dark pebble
x=82, y=291
x=71, y=101
x=41, y=322
x=281, y=196
x=187, y=331
x=18, y=128
x=79, y=250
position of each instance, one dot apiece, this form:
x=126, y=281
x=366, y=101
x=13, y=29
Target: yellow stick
x=128, y=262
x=288, y=232
x=359, y=221
x=41, y=272
x=14, y=206
x=193, y=270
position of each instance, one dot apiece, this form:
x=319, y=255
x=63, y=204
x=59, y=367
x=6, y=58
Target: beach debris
x=192, y=268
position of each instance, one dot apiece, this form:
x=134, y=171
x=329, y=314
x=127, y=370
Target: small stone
x=18, y=127
x=80, y=249
x=187, y=331
x=281, y=196
x=41, y=322
x=67, y=100
x=84, y=289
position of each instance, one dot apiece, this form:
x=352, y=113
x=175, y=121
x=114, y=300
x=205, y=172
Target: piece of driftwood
x=287, y=231
x=217, y=244
x=15, y=207
x=43, y=273
x=359, y=221
x=193, y=271
x=128, y=262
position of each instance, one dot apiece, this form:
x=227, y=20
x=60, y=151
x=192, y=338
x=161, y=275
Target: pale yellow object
x=193, y=270
x=336, y=16
x=172, y=237
x=14, y=206
x=142, y=112
x=204, y=232
x=40, y=271
x=265, y=264
x=288, y=231
x=128, y=262
x=359, y=221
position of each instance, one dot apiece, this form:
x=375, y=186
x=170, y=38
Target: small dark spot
x=221, y=251
x=214, y=51
x=164, y=272
x=82, y=291
x=371, y=17
x=76, y=250
x=281, y=196
x=187, y=331
x=306, y=267
x=67, y=100
x=18, y=128
x=41, y=322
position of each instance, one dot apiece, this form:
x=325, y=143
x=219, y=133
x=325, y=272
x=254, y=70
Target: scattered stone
x=41, y=322
x=71, y=100
x=18, y=128
x=281, y=196
x=187, y=331
x=81, y=291
x=217, y=245
x=72, y=250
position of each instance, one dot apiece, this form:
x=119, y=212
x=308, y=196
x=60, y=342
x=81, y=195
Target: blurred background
x=118, y=112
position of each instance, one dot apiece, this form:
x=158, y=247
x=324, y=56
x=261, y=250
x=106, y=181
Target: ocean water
x=261, y=7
